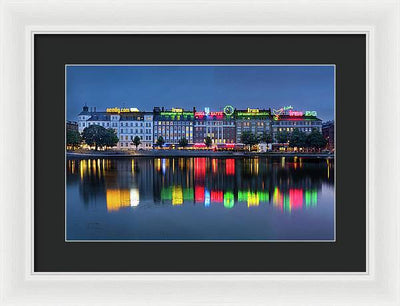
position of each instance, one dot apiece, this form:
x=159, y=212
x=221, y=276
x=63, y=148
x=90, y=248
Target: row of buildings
x=225, y=127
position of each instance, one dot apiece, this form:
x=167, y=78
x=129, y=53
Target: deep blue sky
x=303, y=87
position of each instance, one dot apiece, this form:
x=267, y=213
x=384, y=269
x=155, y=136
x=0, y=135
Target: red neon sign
x=295, y=114
x=210, y=114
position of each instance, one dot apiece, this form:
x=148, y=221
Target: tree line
x=94, y=136
x=100, y=137
x=296, y=138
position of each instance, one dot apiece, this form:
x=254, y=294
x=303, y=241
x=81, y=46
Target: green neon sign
x=228, y=110
x=246, y=114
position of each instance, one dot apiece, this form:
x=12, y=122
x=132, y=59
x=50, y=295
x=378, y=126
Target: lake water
x=201, y=198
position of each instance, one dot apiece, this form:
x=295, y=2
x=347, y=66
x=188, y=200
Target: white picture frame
x=379, y=20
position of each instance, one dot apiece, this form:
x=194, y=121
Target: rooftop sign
x=299, y=114
x=122, y=110
x=281, y=111
x=253, y=110
x=295, y=114
x=252, y=114
x=209, y=114
x=228, y=110
x=288, y=110
x=176, y=113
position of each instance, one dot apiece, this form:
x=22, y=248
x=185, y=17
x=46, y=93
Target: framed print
x=179, y=167
x=249, y=179
x=215, y=154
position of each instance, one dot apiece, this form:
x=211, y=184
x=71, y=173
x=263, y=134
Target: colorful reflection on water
x=173, y=195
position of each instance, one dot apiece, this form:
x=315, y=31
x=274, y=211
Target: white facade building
x=127, y=124
x=133, y=125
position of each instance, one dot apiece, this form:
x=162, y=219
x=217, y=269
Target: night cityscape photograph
x=200, y=153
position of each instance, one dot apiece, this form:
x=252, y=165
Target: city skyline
x=145, y=87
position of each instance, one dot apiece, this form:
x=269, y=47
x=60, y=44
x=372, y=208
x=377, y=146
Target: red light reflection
x=230, y=166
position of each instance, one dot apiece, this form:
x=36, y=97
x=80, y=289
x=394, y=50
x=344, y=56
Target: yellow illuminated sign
x=177, y=110
x=253, y=110
x=122, y=110
x=113, y=110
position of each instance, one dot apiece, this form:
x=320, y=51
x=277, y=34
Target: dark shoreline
x=175, y=153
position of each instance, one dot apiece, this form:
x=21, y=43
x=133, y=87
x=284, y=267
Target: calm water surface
x=200, y=199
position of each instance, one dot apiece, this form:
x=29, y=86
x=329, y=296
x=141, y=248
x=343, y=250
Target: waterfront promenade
x=187, y=153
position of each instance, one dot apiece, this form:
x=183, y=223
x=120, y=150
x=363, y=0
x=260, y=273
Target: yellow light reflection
x=277, y=198
x=73, y=167
x=181, y=163
x=88, y=166
x=256, y=166
x=94, y=166
x=158, y=164
x=214, y=164
x=82, y=168
x=328, y=166
x=117, y=198
x=177, y=195
x=252, y=199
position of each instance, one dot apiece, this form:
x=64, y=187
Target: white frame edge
x=20, y=19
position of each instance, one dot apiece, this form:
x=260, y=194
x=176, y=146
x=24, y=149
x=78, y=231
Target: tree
x=160, y=141
x=297, y=139
x=95, y=135
x=267, y=138
x=73, y=138
x=183, y=142
x=208, y=141
x=249, y=139
x=111, y=138
x=136, y=141
x=316, y=140
x=282, y=137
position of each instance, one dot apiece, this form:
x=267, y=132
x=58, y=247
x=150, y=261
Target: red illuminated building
x=216, y=125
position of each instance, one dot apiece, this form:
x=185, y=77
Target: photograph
x=203, y=153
